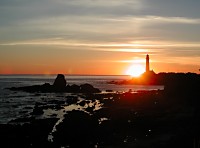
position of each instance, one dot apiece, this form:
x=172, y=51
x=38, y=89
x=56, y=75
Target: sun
x=135, y=70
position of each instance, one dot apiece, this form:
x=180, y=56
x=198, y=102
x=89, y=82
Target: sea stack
x=60, y=82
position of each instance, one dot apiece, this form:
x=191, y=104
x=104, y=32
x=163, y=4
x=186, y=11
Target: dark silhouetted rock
x=73, y=88
x=77, y=126
x=71, y=100
x=59, y=85
x=60, y=82
x=37, y=110
x=88, y=88
x=33, y=134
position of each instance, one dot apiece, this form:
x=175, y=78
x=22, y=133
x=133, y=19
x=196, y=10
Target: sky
x=98, y=36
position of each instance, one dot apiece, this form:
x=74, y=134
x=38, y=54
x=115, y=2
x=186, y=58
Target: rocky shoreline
x=153, y=119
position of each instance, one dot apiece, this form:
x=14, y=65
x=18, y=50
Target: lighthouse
x=147, y=63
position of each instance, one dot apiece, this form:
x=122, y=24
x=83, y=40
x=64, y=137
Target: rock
x=82, y=103
x=88, y=88
x=46, y=88
x=76, y=126
x=37, y=110
x=33, y=134
x=71, y=100
x=59, y=85
x=73, y=88
x=60, y=82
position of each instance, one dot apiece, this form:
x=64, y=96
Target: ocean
x=17, y=104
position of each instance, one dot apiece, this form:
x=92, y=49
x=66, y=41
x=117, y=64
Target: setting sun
x=135, y=70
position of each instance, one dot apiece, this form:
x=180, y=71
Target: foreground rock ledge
x=59, y=85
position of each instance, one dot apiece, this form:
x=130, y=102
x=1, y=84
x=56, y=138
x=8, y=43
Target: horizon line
x=92, y=74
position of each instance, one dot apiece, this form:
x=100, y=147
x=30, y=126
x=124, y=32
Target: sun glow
x=135, y=70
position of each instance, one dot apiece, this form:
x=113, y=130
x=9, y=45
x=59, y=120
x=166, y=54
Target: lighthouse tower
x=147, y=63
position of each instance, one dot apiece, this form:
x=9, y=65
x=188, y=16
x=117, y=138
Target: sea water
x=15, y=104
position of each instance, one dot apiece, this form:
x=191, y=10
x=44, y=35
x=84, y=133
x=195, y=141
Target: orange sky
x=40, y=59
x=98, y=37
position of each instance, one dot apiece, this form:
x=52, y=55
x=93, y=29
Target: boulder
x=60, y=82
x=88, y=88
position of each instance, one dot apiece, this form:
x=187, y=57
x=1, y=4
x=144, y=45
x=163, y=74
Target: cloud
x=139, y=46
x=94, y=21
x=160, y=19
x=16, y=10
x=21, y=10
x=100, y=3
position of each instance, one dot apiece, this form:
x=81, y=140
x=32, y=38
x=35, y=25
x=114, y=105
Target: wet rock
x=37, y=110
x=71, y=100
x=33, y=134
x=82, y=103
x=77, y=126
x=58, y=107
x=90, y=109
